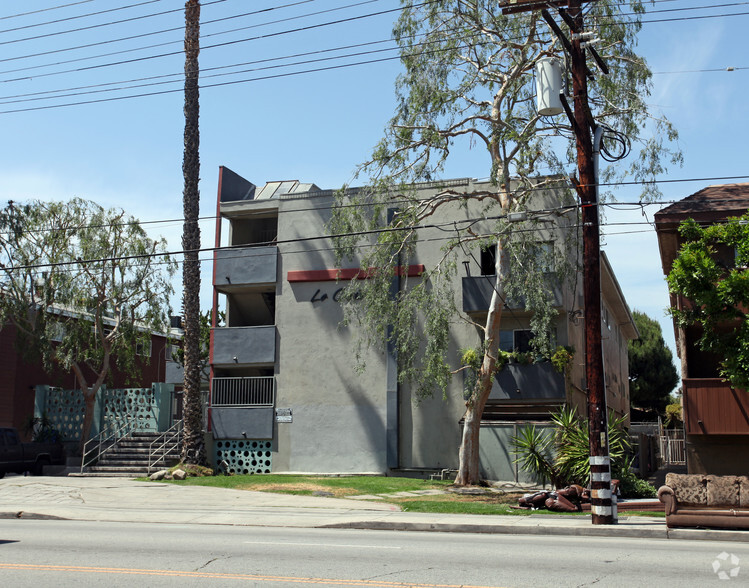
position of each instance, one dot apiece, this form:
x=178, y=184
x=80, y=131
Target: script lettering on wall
x=320, y=296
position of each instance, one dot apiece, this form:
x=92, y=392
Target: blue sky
x=314, y=126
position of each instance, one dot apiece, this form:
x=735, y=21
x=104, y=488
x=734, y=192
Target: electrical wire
x=446, y=226
x=99, y=25
x=329, y=193
x=45, y=9
x=167, y=43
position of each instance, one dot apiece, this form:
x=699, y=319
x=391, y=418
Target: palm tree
x=193, y=446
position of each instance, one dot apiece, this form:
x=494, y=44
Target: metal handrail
x=165, y=440
x=102, y=441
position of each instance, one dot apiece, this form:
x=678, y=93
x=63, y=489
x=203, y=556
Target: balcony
x=477, y=294
x=712, y=407
x=534, y=382
x=244, y=346
x=238, y=268
x=243, y=408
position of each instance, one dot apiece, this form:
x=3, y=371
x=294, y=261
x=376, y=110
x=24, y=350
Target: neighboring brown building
x=21, y=376
x=716, y=416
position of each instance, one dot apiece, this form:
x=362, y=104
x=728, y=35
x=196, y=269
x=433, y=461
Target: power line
x=170, y=30
x=242, y=64
x=69, y=18
x=447, y=226
x=614, y=204
x=98, y=25
x=148, y=94
x=204, y=36
x=45, y=9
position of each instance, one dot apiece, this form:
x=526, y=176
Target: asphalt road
x=80, y=553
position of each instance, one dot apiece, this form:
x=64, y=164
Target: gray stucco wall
x=341, y=415
x=497, y=459
x=244, y=345
x=246, y=265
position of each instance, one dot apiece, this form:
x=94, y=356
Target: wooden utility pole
x=600, y=469
x=583, y=126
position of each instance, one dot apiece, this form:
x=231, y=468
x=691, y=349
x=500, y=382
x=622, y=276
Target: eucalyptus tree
x=193, y=445
x=85, y=287
x=468, y=82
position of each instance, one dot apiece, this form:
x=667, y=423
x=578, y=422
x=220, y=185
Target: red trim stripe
x=331, y=275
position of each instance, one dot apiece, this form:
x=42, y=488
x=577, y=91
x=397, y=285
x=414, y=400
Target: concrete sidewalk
x=124, y=500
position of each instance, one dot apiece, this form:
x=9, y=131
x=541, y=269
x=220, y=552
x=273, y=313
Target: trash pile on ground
x=569, y=499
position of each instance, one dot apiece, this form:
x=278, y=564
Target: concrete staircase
x=129, y=457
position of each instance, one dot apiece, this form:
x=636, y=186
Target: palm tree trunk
x=193, y=446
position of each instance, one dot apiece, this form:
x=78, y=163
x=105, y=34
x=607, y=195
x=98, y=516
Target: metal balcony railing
x=249, y=391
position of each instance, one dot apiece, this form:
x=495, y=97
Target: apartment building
x=285, y=394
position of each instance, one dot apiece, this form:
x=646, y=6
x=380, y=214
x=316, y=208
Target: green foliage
x=630, y=486
x=470, y=361
x=475, y=88
x=536, y=455
x=477, y=85
x=84, y=286
x=563, y=456
x=673, y=414
x=42, y=430
x=711, y=272
x=562, y=357
x=205, y=342
x=476, y=82
x=652, y=375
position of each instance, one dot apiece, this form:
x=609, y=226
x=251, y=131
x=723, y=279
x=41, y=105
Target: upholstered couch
x=703, y=500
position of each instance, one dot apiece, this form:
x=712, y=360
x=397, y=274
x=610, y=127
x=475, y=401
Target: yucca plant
x=535, y=450
x=563, y=457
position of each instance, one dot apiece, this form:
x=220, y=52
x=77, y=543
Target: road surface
x=63, y=553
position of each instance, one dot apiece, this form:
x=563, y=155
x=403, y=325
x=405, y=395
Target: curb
x=591, y=531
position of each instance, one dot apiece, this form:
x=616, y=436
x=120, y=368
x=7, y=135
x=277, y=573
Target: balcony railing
x=248, y=391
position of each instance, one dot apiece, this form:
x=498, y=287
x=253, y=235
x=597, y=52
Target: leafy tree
x=711, y=272
x=468, y=81
x=85, y=287
x=652, y=375
x=193, y=444
x=674, y=412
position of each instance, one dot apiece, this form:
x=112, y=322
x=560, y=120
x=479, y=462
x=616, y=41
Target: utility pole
x=583, y=125
x=600, y=469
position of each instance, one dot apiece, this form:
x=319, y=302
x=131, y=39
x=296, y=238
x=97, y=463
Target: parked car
x=26, y=457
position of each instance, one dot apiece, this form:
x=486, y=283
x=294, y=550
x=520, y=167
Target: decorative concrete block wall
x=243, y=456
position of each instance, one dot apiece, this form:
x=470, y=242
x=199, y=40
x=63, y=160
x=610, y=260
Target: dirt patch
x=304, y=487
x=509, y=499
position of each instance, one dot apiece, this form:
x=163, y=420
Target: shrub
x=564, y=456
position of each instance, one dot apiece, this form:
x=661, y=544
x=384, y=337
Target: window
x=143, y=348
x=516, y=340
x=522, y=340
x=56, y=332
x=488, y=260
x=545, y=256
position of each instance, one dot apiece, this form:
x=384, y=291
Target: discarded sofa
x=704, y=500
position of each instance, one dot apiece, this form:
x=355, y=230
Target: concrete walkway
x=124, y=500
